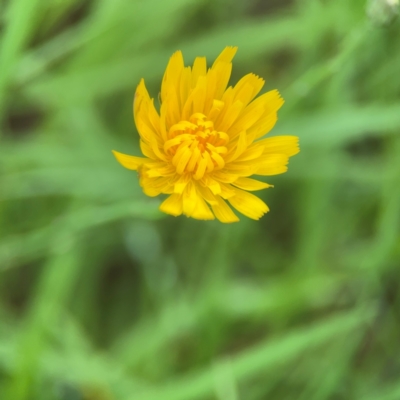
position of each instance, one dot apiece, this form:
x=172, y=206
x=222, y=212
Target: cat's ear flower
x=205, y=142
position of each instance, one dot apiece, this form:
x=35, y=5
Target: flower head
x=205, y=142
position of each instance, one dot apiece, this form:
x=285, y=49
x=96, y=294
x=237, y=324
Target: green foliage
x=102, y=297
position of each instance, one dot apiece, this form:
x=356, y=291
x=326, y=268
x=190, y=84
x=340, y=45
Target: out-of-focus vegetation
x=104, y=298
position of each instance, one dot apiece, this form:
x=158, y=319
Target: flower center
x=195, y=146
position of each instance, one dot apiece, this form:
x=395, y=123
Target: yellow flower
x=204, y=143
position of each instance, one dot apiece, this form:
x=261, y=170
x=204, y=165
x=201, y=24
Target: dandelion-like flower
x=205, y=143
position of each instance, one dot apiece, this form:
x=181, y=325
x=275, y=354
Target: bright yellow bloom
x=204, y=144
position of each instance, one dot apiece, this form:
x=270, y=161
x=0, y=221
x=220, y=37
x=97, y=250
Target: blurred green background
x=102, y=297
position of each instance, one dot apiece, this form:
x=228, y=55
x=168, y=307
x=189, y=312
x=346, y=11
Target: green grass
x=102, y=297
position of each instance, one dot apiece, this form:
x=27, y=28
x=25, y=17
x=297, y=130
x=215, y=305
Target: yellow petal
x=213, y=185
x=172, y=205
x=263, y=126
x=226, y=100
x=163, y=170
x=221, y=71
x=155, y=186
x=199, y=69
x=207, y=195
x=223, y=212
x=288, y=145
x=273, y=164
x=200, y=97
x=210, y=164
x=172, y=74
x=173, y=109
x=225, y=120
x=145, y=115
x=129, y=162
x=249, y=205
x=226, y=191
x=239, y=147
x=181, y=183
x=201, y=168
x=147, y=151
x=213, y=83
x=188, y=107
x=152, y=150
x=226, y=55
x=258, y=110
x=251, y=154
x=224, y=177
x=185, y=85
x=248, y=87
x=241, y=168
x=202, y=211
x=158, y=150
x=193, y=160
x=250, y=184
x=216, y=107
x=163, y=122
x=219, y=79
x=183, y=160
x=189, y=199
x=246, y=120
x=218, y=159
x=272, y=102
x=141, y=95
x=154, y=117
x=150, y=191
